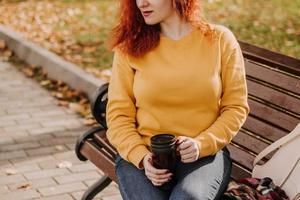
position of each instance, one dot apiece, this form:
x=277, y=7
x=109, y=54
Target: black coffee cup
x=163, y=147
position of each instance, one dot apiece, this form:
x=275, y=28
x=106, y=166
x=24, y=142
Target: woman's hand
x=188, y=149
x=156, y=176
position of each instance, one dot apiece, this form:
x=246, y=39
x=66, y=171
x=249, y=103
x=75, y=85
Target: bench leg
x=96, y=188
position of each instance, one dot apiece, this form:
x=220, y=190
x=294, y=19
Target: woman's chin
x=151, y=22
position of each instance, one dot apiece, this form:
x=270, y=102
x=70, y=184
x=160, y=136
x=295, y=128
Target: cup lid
x=162, y=139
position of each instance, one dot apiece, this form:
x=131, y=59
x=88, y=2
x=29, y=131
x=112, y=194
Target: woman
x=174, y=73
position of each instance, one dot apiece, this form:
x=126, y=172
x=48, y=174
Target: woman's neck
x=175, y=27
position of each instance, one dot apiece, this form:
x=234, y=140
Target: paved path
x=37, y=138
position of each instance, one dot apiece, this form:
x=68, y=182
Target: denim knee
x=134, y=184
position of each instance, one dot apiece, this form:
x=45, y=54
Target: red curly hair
x=134, y=37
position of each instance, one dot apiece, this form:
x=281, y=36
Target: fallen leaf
x=2, y=44
x=63, y=103
x=45, y=82
x=64, y=89
x=71, y=93
x=59, y=147
x=64, y=164
x=11, y=172
x=28, y=72
x=89, y=49
x=83, y=101
x=76, y=107
x=60, y=83
x=7, y=53
x=89, y=122
x=25, y=186
x=58, y=95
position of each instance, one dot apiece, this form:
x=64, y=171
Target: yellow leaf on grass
x=7, y=53
x=89, y=49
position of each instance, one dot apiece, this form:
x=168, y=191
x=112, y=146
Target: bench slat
x=263, y=129
x=273, y=116
x=278, y=98
x=105, y=144
x=240, y=156
x=274, y=59
x=248, y=142
x=276, y=78
x=239, y=172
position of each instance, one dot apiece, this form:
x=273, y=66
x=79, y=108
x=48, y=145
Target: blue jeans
x=206, y=178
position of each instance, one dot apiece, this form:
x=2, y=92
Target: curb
x=56, y=67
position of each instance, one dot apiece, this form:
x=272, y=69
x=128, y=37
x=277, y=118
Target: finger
x=159, y=177
x=180, y=139
x=189, y=160
x=156, y=183
x=160, y=181
x=153, y=170
x=184, y=145
x=190, y=150
x=188, y=156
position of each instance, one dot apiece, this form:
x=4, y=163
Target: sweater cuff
x=205, y=147
x=137, y=154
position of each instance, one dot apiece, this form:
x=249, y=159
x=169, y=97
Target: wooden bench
x=274, y=97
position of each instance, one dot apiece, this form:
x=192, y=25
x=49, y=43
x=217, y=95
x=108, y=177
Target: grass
x=77, y=30
x=274, y=25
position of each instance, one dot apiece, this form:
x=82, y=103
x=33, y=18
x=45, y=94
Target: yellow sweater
x=190, y=87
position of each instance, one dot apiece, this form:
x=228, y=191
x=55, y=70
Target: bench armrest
x=98, y=104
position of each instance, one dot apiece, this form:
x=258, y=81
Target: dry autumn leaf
x=60, y=83
x=70, y=94
x=2, y=44
x=64, y=89
x=25, y=186
x=58, y=95
x=77, y=107
x=11, y=171
x=89, y=122
x=28, y=72
x=7, y=53
x=45, y=82
x=63, y=103
x=89, y=49
x=59, y=147
x=64, y=164
x=83, y=101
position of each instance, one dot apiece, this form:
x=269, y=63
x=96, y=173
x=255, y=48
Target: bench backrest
x=273, y=82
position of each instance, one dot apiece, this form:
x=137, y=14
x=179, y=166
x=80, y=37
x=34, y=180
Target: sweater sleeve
x=121, y=112
x=233, y=103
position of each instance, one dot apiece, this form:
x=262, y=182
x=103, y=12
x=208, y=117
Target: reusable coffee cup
x=163, y=146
